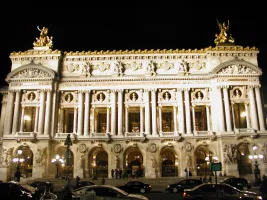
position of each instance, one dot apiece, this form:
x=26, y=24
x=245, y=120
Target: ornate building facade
x=150, y=112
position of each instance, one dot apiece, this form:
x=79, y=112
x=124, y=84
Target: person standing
x=77, y=181
x=263, y=187
x=17, y=175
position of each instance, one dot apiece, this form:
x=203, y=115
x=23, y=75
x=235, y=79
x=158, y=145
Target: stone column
x=126, y=120
x=48, y=113
x=55, y=109
x=154, y=112
x=194, y=119
x=180, y=100
x=9, y=113
x=233, y=113
x=141, y=119
x=120, y=105
x=22, y=119
x=108, y=120
x=80, y=113
x=187, y=111
x=208, y=116
x=61, y=120
x=160, y=120
x=87, y=113
x=220, y=106
x=41, y=113
x=75, y=120
x=113, y=113
x=36, y=119
x=93, y=120
x=227, y=109
x=253, y=112
x=147, y=112
x=175, y=120
x=247, y=116
x=259, y=108
x=16, y=112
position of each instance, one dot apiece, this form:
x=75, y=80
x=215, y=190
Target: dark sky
x=162, y=27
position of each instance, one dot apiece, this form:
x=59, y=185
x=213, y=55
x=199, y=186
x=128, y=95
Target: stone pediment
x=237, y=67
x=31, y=71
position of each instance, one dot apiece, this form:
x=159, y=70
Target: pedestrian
x=103, y=181
x=201, y=179
x=77, y=181
x=112, y=173
x=210, y=179
x=17, y=175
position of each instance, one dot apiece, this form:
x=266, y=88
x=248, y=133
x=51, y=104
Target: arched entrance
x=63, y=169
x=23, y=159
x=202, y=165
x=244, y=165
x=98, y=163
x=134, y=163
x=169, y=163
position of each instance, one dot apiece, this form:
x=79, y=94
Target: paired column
x=120, y=105
x=93, y=119
x=227, y=109
x=208, y=116
x=22, y=119
x=221, y=119
x=175, y=119
x=41, y=113
x=80, y=112
x=259, y=108
x=141, y=119
x=87, y=113
x=247, y=116
x=75, y=120
x=187, y=111
x=253, y=111
x=194, y=119
x=160, y=120
x=180, y=100
x=16, y=112
x=108, y=120
x=154, y=112
x=126, y=120
x=113, y=113
x=48, y=113
x=9, y=113
x=147, y=112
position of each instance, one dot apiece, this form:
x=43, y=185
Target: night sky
x=164, y=27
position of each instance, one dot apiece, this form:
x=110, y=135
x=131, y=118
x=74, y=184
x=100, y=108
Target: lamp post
x=18, y=161
x=68, y=159
x=57, y=161
x=256, y=157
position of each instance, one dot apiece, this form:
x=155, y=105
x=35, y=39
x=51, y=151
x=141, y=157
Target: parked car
x=11, y=190
x=222, y=191
x=104, y=192
x=238, y=182
x=84, y=183
x=135, y=187
x=41, y=186
x=183, y=184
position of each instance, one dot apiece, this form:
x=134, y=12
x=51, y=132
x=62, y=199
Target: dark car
x=10, y=190
x=84, y=183
x=222, y=191
x=183, y=184
x=239, y=183
x=41, y=186
x=104, y=192
x=135, y=187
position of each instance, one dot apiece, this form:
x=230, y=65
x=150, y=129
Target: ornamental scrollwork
x=152, y=148
x=82, y=148
x=117, y=148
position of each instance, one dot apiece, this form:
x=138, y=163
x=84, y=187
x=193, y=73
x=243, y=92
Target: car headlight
x=259, y=197
x=168, y=186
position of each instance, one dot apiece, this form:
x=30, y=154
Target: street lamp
x=68, y=159
x=18, y=161
x=256, y=157
x=57, y=161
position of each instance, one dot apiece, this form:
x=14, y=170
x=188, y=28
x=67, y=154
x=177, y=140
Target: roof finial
x=224, y=37
x=43, y=40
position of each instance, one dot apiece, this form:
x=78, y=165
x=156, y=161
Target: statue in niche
x=237, y=93
x=40, y=156
x=230, y=153
x=117, y=162
x=153, y=161
x=199, y=95
x=6, y=156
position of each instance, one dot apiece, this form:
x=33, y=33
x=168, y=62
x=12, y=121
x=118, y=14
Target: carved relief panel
x=101, y=97
x=238, y=93
x=69, y=98
x=30, y=97
x=134, y=96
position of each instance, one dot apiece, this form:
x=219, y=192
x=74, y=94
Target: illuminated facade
x=151, y=112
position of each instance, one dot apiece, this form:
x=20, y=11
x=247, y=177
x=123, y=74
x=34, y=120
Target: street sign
x=216, y=166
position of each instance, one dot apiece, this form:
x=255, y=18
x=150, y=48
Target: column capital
x=120, y=90
x=186, y=89
x=251, y=87
x=219, y=86
x=257, y=86
x=87, y=91
x=224, y=87
x=11, y=91
x=153, y=89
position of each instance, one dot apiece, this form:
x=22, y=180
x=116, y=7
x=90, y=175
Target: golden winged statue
x=43, y=40
x=224, y=37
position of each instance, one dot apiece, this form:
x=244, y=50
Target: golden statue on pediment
x=224, y=37
x=43, y=40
